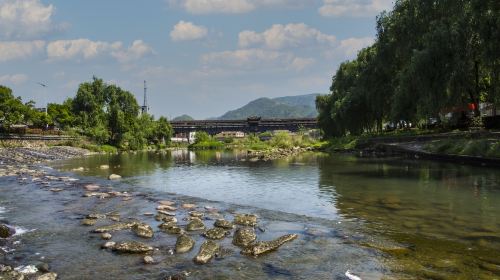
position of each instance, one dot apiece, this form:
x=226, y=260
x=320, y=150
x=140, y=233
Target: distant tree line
x=105, y=113
x=428, y=56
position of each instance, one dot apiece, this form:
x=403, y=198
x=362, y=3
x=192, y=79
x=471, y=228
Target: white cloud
x=25, y=18
x=252, y=59
x=354, y=8
x=136, y=51
x=79, y=48
x=19, y=49
x=187, y=31
x=282, y=36
x=233, y=6
x=349, y=48
x=15, y=79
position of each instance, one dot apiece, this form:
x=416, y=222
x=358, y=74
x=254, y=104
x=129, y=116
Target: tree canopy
x=428, y=55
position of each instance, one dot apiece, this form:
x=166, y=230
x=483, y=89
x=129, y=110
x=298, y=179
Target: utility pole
x=145, y=107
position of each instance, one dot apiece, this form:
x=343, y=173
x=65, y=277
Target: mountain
x=183, y=118
x=300, y=106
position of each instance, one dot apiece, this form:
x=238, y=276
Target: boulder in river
x=47, y=276
x=244, y=236
x=215, y=233
x=245, y=219
x=207, y=251
x=184, y=244
x=194, y=225
x=143, y=230
x=114, y=227
x=225, y=224
x=262, y=247
x=132, y=247
x=91, y=187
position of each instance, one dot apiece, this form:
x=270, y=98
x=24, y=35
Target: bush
x=281, y=140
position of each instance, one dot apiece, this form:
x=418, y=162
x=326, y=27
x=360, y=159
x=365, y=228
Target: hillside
x=301, y=106
x=183, y=118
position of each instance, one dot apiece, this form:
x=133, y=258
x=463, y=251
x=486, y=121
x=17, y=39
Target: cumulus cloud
x=282, y=36
x=251, y=59
x=187, y=31
x=348, y=48
x=19, y=49
x=26, y=18
x=79, y=48
x=15, y=79
x=232, y=6
x=354, y=8
x=136, y=51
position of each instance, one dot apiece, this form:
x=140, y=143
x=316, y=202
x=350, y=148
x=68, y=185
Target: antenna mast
x=145, y=107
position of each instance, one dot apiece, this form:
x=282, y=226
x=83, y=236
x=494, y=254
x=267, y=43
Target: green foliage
x=428, y=56
x=281, y=140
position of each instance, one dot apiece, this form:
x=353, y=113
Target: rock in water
x=91, y=187
x=207, y=251
x=148, y=260
x=143, y=230
x=244, y=237
x=215, y=233
x=114, y=177
x=132, y=247
x=114, y=227
x=6, y=231
x=184, y=244
x=171, y=227
x=106, y=236
x=262, y=247
x=47, y=276
x=104, y=166
x=223, y=224
x=245, y=219
x=88, y=222
x=194, y=225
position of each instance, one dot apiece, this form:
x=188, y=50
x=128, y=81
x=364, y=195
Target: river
x=379, y=218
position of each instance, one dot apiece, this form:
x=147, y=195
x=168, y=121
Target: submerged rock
x=188, y=206
x=132, y=247
x=195, y=214
x=91, y=187
x=114, y=227
x=207, y=251
x=262, y=247
x=225, y=224
x=215, y=233
x=166, y=202
x=166, y=213
x=108, y=245
x=114, y=177
x=106, y=236
x=143, y=230
x=245, y=219
x=6, y=231
x=47, y=276
x=88, y=222
x=244, y=236
x=194, y=225
x=171, y=227
x=95, y=216
x=148, y=260
x=166, y=207
x=184, y=244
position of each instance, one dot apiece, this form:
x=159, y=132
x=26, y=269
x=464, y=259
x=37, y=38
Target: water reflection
x=444, y=216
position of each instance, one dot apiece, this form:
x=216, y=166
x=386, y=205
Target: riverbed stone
x=108, y=245
x=171, y=228
x=262, y=247
x=225, y=224
x=245, y=219
x=88, y=222
x=115, y=227
x=6, y=231
x=91, y=187
x=143, y=230
x=106, y=236
x=166, y=202
x=148, y=260
x=166, y=207
x=104, y=166
x=47, y=276
x=188, y=205
x=195, y=225
x=244, y=236
x=132, y=247
x=114, y=177
x=215, y=233
x=184, y=244
x=207, y=251
x=196, y=214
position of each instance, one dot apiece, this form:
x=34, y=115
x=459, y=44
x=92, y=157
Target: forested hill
x=301, y=106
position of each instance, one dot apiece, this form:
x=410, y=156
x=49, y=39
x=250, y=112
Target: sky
x=199, y=57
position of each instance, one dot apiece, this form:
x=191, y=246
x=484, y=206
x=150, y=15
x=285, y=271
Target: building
x=230, y=134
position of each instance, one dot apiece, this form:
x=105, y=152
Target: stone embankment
x=275, y=153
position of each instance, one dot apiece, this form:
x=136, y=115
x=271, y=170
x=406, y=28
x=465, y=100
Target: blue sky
x=199, y=57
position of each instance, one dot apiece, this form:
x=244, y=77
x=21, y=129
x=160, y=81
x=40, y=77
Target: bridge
x=250, y=125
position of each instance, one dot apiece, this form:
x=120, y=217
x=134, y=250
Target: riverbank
x=464, y=147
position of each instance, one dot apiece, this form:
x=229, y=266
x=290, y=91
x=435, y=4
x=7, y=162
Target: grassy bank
x=466, y=147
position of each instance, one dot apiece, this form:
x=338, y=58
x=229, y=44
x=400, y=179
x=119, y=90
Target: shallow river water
x=385, y=218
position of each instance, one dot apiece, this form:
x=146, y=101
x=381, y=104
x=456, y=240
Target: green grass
x=207, y=145
x=469, y=147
